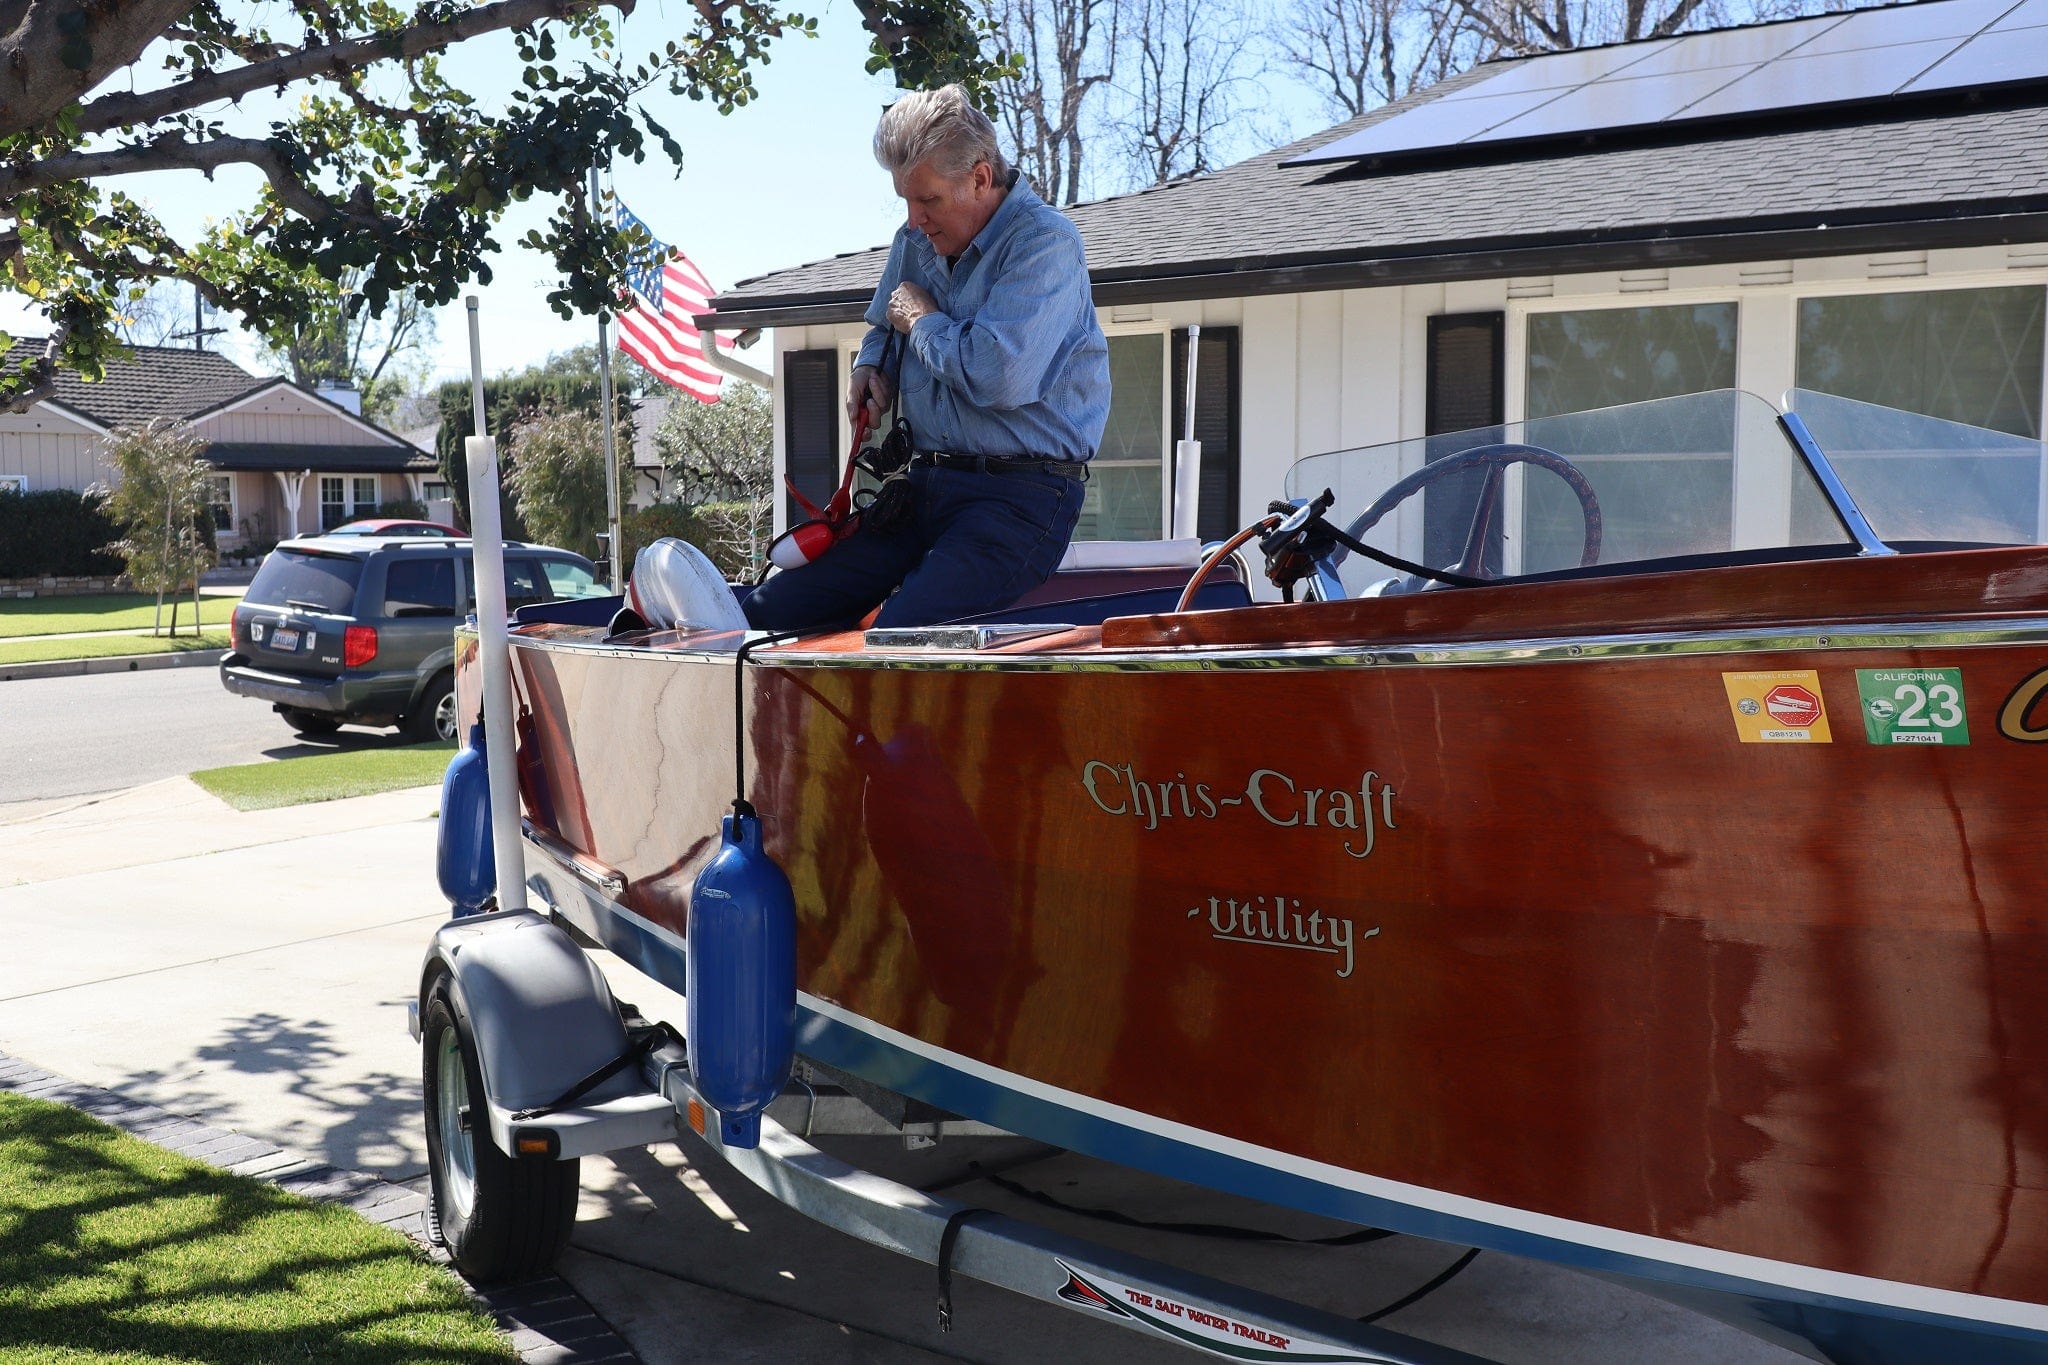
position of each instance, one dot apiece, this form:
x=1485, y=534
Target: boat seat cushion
x=1088, y=597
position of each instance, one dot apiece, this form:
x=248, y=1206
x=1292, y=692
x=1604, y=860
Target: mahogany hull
x=1521, y=941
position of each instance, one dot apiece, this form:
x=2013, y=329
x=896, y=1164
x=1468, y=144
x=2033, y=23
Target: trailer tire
x=502, y=1217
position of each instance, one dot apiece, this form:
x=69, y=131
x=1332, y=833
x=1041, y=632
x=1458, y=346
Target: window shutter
x=1216, y=424
x=1464, y=389
x=1467, y=363
x=810, y=405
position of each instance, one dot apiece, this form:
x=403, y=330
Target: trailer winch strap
x=639, y=1042
x=947, y=1239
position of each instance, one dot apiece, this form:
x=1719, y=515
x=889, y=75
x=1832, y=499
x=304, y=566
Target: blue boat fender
x=741, y=999
x=463, y=860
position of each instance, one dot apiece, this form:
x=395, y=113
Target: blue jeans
x=977, y=543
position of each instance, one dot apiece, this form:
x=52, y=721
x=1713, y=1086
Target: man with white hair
x=1005, y=387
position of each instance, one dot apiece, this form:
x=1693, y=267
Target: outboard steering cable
x=740, y=804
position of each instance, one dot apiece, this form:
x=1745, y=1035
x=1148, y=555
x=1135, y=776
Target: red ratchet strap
x=841, y=503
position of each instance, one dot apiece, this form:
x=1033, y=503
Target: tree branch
x=174, y=152
x=327, y=59
x=43, y=370
x=48, y=58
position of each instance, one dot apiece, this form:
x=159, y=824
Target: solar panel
x=1735, y=47
x=1911, y=23
x=1451, y=121
x=2013, y=54
x=1567, y=70
x=1863, y=57
x=2027, y=14
x=1616, y=104
x=1830, y=78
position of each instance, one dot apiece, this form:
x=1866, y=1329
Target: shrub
x=557, y=478
x=402, y=509
x=57, y=532
x=709, y=527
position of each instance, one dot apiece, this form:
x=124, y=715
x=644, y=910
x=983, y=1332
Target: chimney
x=341, y=393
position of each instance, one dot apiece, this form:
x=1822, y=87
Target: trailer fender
x=541, y=1014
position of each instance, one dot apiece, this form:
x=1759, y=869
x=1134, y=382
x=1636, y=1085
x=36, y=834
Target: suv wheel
x=309, y=722
x=434, y=717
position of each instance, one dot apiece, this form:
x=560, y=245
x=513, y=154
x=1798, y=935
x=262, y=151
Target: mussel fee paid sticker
x=1913, y=705
x=1782, y=707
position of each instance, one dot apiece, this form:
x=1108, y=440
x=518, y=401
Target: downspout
x=715, y=353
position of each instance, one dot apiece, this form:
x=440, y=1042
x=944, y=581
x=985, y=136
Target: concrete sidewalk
x=251, y=969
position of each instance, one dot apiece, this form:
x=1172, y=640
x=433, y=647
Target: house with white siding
x=289, y=460
x=1855, y=203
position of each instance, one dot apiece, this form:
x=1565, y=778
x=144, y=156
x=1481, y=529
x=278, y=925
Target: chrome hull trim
x=1880, y=635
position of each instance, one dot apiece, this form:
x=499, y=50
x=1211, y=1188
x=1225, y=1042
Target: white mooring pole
x=1187, y=454
x=613, y=541
x=487, y=541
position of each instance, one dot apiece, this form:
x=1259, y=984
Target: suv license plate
x=282, y=639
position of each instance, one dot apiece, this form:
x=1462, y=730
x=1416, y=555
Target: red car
x=396, y=528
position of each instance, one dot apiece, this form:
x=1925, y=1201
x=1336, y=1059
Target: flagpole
x=613, y=544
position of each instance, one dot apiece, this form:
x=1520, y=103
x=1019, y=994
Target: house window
x=1963, y=355
x=434, y=490
x=344, y=499
x=1972, y=356
x=1597, y=358
x=13, y=483
x=220, y=500
x=1126, y=496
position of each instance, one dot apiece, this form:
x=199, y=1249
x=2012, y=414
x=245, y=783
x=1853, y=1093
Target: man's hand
x=868, y=387
x=907, y=304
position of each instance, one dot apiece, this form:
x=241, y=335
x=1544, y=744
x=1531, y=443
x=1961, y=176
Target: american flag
x=657, y=327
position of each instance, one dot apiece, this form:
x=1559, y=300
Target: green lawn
x=107, y=646
x=108, y=611
x=327, y=777
x=115, y=1251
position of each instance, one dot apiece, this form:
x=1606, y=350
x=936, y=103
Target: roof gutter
x=1714, y=245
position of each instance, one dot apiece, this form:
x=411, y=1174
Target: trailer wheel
x=502, y=1217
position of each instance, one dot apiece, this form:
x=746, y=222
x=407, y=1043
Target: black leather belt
x=1002, y=464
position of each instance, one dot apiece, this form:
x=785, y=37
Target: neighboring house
x=650, y=474
x=290, y=460
x=433, y=488
x=1548, y=234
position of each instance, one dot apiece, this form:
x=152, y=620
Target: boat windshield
x=1921, y=479
x=1703, y=478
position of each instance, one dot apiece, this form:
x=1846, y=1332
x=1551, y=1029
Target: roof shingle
x=1611, y=206
x=156, y=381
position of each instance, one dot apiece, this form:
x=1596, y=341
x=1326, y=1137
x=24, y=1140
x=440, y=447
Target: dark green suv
x=356, y=630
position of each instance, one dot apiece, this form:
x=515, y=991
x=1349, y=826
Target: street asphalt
x=251, y=970
x=68, y=738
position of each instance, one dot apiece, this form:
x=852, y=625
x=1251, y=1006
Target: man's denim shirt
x=1013, y=363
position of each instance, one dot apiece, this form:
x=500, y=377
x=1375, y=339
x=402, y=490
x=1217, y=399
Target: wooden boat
x=1676, y=916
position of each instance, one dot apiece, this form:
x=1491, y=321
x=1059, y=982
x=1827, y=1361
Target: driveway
x=252, y=969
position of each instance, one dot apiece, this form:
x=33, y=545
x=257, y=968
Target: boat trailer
x=512, y=972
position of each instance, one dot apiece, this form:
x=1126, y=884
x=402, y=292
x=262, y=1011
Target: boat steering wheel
x=1495, y=459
